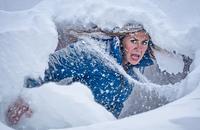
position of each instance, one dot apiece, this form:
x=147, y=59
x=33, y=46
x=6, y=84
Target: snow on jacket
x=94, y=64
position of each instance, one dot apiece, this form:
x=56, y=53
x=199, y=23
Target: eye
x=133, y=41
x=145, y=42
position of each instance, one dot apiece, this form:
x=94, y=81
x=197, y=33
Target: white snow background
x=28, y=35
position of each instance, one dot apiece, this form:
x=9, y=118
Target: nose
x=139, y=45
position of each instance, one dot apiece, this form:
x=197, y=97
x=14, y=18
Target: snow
x=182, y=114
x=67, y=106
x=4, y=127
x=169, y=57
x=10, y=5
x=27, y=37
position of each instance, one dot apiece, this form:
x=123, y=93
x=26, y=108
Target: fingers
x=16, y=111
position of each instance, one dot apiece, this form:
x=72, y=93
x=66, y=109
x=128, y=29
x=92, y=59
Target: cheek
x=129, y=47
x=144, y=49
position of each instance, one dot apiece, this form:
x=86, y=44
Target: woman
x=130, y=47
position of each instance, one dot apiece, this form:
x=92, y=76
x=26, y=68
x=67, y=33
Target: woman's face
x=135, y=46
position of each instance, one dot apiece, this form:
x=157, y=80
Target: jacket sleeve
x=63, y=64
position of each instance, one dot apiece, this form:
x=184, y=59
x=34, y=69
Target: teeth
x=135, y=55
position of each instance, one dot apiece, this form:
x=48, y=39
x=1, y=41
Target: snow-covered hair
x=129, y=28
x=70, y=33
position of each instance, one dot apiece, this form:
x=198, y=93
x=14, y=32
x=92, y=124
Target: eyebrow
x=138, y=39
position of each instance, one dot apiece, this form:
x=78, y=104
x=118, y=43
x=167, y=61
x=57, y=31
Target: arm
x=69, y=62
x=61, y=65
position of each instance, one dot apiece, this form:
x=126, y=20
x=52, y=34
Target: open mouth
x=135, y=57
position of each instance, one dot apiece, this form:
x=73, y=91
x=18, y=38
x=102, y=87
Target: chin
x=134, y=62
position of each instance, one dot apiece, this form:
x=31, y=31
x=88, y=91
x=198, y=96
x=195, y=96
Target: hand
x=17, y=110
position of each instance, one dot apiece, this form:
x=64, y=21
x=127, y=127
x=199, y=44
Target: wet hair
x=69, y=33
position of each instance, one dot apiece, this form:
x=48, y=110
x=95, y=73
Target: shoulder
x=115, y=48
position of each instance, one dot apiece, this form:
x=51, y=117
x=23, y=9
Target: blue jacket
x=87, y=64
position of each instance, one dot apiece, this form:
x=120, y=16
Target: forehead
x=141, y=35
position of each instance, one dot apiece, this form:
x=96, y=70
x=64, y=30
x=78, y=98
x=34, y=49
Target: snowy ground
x=27, y=37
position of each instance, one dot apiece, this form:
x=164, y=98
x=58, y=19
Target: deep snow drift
x=28, y=37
